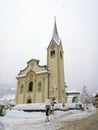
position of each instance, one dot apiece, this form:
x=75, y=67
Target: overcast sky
x=26, y=28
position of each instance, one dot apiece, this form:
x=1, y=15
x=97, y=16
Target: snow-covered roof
x=39, y=72
x=8, y=97
x=20, y=76
x=95, y=93
x=73, y=91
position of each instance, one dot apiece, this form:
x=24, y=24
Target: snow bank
x=25, y=115
x=20, y=120
x=35, y=106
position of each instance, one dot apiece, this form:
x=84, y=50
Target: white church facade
x=37, y=83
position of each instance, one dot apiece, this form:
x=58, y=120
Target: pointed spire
x=55, y=35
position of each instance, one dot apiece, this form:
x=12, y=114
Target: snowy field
x=20, y=120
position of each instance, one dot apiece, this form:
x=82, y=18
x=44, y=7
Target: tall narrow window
x=21, y=89
x=52, y=53
x=61, y=55
x=39, y=87
x=30, y=86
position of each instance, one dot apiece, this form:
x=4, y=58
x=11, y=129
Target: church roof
x=36, y=60
x=55, y=35
x=39, y=72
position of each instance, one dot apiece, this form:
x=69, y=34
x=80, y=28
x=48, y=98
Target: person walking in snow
x=47, y=114
x=52, y=105
x=47, y=106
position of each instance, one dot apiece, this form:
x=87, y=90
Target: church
x=36, y=83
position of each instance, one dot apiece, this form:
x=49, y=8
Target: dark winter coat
x=47, y=111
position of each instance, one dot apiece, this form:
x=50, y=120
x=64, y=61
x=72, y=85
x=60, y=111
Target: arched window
x=52, y=53
x=39, y=87
x=30, y=86
x=74, y=100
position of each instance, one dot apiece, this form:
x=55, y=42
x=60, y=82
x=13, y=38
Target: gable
x=52, y=44
x=33, y=68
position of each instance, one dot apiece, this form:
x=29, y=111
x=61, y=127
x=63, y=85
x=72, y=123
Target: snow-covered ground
x=20, y=120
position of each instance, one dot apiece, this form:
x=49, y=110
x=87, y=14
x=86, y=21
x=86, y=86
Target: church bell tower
x=55, y=62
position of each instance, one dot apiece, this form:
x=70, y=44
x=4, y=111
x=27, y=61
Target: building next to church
x=95, y=99
x=37, y=83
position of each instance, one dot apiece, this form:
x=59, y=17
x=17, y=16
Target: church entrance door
x=29, y=101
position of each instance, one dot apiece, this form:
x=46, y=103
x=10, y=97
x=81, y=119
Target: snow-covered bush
x=85, y=98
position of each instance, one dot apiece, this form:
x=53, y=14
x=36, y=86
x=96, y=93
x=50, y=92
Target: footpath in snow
x=20, y=120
